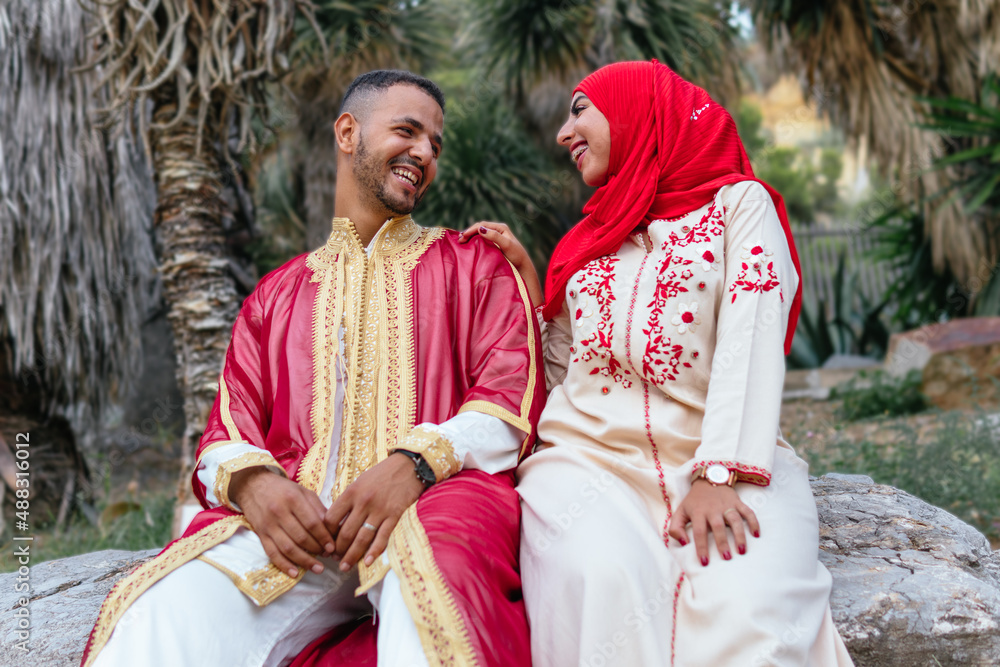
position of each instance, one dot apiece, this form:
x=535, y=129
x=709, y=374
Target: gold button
x=685, y=229
x=701, y=285
x=572, y=294
x=694, y=355
x=605, y=390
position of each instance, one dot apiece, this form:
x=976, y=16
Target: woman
x=665, y=520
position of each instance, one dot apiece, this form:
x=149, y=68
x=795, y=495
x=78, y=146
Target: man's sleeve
x=495, y=426
x=235, y=433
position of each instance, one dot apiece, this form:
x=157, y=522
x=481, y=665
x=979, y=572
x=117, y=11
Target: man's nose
x=422, y=151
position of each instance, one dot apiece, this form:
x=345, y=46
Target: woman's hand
x=500, y=234
x=710, y=508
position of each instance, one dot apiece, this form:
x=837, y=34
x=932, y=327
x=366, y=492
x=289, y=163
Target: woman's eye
x=576, y=110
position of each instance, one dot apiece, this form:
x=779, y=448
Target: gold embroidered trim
x=217, y=445
x=442, y=631
x=437, y=450
x=378, y=365
x=224, y=474
x=500, y=413
x=227, y=418
x=126, y=591
x=263, y=585
x=529, y=394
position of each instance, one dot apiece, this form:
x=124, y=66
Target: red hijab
x=672, y=148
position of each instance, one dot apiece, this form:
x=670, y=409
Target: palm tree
x=79, y=275
x=540, y=48
x=349, y=39
x=200, y=70
x=870, y=64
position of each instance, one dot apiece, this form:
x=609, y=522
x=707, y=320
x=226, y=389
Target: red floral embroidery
x=661, y=360
x=595, y=281
x=751, y=277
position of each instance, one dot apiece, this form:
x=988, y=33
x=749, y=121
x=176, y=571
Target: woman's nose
x=566, y=133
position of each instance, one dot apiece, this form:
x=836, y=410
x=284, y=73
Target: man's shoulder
x=477, y=256
x=286, y=276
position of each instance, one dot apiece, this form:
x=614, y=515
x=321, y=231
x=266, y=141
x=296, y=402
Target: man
x=391, y=365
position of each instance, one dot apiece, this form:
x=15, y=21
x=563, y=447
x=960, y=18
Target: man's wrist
x=242, y=479
x=422, y=469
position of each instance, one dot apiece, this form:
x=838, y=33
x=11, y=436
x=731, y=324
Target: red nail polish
x=726, y=556
x=483, y=230
x=704, y=560
x=756, y=533
x=683, y=543
x=743, y=549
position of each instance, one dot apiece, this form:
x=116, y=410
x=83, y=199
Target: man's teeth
x=407, y=174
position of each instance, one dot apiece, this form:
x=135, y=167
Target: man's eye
x=407, y=130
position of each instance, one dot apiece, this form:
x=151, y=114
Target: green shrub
x=955, y=467
x=878, y=394
x=146, y=526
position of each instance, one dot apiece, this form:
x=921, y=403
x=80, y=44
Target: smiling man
x=375, y=398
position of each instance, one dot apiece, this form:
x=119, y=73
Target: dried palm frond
x=75, y=211
x=868, y=63
x=216, y=53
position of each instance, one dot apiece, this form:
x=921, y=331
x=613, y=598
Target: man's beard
x=371, y=180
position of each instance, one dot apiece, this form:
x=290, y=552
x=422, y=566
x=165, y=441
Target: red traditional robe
x=431, y=328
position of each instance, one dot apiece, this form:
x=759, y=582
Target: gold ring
x=368, y=526
x=731, y=509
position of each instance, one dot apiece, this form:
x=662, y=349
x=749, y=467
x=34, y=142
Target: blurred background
x=158, y=157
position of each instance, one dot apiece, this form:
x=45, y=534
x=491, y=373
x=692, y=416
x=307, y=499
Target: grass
x=878, y=394
x=142, y=526
x=955, y=466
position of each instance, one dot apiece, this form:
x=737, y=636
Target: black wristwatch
x=423, y=469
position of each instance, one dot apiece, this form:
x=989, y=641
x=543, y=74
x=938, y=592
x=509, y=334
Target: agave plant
x=850, y=324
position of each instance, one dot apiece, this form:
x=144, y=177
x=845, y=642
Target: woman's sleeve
x=743, y=405
x=557, y=337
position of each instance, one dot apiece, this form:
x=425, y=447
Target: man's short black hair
x=365, y=87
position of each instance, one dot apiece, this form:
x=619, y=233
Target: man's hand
x=286, y=516
x=363, y=516
x=708, y=509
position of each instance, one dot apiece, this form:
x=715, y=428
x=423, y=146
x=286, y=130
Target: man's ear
x=347, y=132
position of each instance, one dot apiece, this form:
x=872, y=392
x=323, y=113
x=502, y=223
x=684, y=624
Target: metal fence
x=819, y=253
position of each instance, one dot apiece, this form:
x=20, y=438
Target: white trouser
x=196, y=616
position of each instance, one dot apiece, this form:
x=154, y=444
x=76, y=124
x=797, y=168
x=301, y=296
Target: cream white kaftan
x=665, y=358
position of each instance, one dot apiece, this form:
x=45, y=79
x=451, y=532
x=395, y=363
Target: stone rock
x=959, y=360
x=912, y=585
x=64, y=599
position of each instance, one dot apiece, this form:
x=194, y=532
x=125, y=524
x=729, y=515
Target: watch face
x=717, y=474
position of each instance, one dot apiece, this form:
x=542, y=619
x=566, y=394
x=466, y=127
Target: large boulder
x=959, y=360
x=63, y=602
x=913, y=585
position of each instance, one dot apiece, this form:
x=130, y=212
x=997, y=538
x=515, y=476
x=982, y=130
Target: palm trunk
x=198, y=287
x=320, y=181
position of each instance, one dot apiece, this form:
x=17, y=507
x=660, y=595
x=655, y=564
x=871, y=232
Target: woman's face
x=587, y=135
